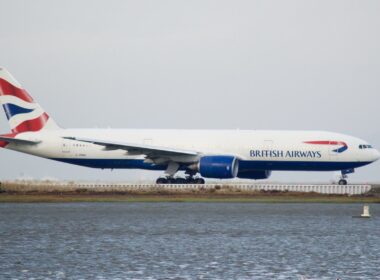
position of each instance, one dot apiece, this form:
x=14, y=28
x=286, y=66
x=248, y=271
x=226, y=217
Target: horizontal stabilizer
x=19, y=141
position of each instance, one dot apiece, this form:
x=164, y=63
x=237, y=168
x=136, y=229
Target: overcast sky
x=311, y=65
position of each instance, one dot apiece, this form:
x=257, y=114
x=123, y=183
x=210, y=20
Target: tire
x=180, y=181
x=189, y=180
x=342, y=182
x=161, y=181
x=170, y=180
x=200, y=181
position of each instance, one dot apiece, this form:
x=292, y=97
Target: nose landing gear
x=342, y=182
x=343, y=178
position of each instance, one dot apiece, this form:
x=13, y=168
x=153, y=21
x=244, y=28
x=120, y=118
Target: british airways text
x=285, y=154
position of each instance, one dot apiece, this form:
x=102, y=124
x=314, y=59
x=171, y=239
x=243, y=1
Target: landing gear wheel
x=343, y=178
x=190, y=180
x=171, y=180
x=161, y=181
x=180, y=181
x=199, y=181
x=342, y=182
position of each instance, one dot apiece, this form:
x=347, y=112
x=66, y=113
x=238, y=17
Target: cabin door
x=65, y=148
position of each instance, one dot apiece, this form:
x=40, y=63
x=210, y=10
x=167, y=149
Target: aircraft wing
x=152, y=152
x=19, y=141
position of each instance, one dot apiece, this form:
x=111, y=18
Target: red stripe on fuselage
x=7, y=88
x=326, y=143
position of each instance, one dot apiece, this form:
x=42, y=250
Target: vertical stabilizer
x=22, y=112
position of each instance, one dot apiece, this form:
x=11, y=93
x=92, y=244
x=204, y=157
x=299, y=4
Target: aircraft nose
x=375, y=155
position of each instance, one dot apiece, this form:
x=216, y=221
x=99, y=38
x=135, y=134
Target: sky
x=293, y=65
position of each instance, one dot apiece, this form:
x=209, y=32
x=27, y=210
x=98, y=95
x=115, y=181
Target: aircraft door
x=65, y=148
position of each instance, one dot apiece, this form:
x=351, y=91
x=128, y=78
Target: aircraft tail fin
x=22, y=112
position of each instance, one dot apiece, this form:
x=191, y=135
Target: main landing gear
x=172, y=169
x=180, y=180
x=343, y=177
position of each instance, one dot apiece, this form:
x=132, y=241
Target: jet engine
x=221, y=167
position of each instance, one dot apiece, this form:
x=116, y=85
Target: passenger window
x=360, y=146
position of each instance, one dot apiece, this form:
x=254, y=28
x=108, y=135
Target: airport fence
x=58, y=186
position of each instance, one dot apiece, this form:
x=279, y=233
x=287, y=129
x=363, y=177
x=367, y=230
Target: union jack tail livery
x=22, y=112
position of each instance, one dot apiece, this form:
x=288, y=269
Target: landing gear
x=191, y=179
x=343, y=177
x=194, y=180
x=199, y=181
x=180, y=180
x=172, y=169
x=169, y=180
x=161, y=181
x=342, y=182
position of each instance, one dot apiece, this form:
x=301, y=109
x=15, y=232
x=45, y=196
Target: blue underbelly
x=243, y=165
x=299, y=165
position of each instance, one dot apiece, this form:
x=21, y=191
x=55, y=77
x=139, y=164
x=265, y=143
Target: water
x=188, y=241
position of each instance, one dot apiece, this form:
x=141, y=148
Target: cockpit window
x=365, y=147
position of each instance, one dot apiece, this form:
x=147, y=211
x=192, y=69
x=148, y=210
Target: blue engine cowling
x=221, y=167
x=254, y=174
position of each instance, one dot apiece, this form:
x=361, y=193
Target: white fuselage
x=260, y=149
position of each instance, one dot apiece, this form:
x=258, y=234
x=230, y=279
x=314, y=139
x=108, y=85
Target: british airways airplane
x=222, y=154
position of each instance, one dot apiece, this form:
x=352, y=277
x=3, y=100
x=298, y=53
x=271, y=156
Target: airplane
x=219, y=154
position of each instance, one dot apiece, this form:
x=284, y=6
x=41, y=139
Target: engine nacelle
x=254, y=174
x=221, y=167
